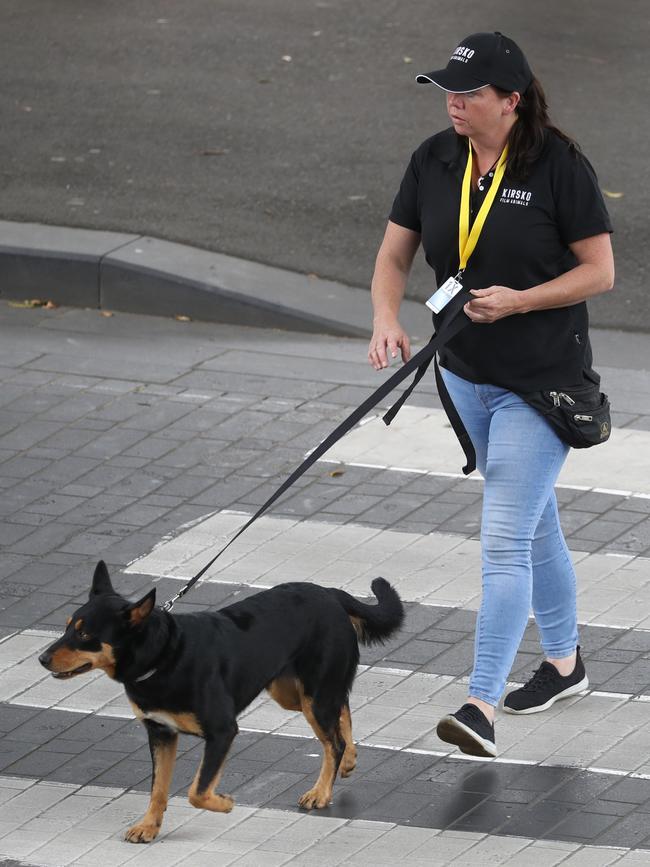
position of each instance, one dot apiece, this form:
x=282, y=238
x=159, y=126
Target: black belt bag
x=579, y=415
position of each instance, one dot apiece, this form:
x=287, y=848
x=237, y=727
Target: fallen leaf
x=612, y=195
x=180, y=317
x=50, y=305
x=106, y=313
x=29, y=303
x=287, y=58
x=408, y=60
x=336, y=473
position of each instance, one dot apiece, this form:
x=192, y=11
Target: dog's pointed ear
x=139, y=611
x=101, y=580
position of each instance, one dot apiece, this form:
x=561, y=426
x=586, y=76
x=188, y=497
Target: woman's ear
x=511, y=102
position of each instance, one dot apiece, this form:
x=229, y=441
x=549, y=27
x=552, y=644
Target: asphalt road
x=278, y=130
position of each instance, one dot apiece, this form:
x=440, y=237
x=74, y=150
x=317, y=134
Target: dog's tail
x=374, y=623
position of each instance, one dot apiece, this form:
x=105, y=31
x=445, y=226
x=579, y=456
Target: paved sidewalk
x=142, y=441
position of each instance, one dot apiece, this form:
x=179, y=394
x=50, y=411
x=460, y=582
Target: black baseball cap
x=482, y=59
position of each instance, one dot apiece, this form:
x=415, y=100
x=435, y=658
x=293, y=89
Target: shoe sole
x=566, y=693
x=452, y=731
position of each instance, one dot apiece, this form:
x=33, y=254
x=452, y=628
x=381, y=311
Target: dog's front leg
x=162, y=745
x=201, y=793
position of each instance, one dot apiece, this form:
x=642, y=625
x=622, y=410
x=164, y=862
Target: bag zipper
x=556, y=395
x=583, y=417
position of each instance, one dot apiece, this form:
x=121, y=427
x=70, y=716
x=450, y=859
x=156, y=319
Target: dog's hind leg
x=162, y=745
x=327, y=729
x=201, y=793
x=349, y=760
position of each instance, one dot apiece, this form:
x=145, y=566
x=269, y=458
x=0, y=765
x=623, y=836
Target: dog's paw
x=143, y=832
x=314, y=799
x=216, y=803
x=346, y=768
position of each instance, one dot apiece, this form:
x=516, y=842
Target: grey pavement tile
x=629, y=790
x=390, y=510
x=442, y=808
x=604, y=531
x=269, y=784
x=455, y=660
x=577, y=543
x=28, y=434
x=535, y=823
x=634, y=678
x=630, y=831
x=70, y=469
x=85, y=767
x=580, y=826
x=54, y=504
x=573, y=520
x=10, y=532
x=12, y=749
x=636, y=504
x=635, y=540
x=22, y=568
x=31, y=609
x=37, y=764
x=23, y=466
x=111, y=443
x=45, y=725
x=13, y=716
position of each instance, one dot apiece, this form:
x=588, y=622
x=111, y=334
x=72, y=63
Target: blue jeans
x=525, y=558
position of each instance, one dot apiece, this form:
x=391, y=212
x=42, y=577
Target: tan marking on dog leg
x=321, y=794
x=286, y=692
x=209, y=799
x=146, y=830
x=349, y=760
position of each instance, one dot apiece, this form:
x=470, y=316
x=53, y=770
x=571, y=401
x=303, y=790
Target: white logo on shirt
x=463, y=54
x=515, y=197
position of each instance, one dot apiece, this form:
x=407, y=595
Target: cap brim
x=453, y=81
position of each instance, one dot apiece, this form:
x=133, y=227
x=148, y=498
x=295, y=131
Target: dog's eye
x=84, y=636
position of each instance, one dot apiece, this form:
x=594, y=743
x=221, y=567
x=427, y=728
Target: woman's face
x=478, y=112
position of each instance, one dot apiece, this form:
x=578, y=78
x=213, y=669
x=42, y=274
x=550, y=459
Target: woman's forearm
x=582, y=282
x=387, y=288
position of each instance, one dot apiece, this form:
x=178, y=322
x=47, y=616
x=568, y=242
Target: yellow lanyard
x=466, y=240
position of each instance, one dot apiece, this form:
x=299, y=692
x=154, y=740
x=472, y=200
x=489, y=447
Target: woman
x=543, y=248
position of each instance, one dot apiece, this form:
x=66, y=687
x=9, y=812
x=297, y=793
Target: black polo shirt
x=524, y=242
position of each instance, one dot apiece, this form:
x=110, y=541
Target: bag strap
x=455, y=321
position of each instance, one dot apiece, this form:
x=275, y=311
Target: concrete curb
x=139, y=274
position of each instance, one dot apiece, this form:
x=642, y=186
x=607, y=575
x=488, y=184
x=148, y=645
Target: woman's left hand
x=493, y=303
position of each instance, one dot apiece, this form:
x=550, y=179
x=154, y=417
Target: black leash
x=455, y=321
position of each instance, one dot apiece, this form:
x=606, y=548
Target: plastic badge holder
x=442, y=296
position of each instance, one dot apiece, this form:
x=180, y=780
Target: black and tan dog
x=194, y=673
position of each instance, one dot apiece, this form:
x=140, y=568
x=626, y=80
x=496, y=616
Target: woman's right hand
x=387, y=337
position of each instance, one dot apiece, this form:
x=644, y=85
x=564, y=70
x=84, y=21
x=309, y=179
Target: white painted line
x=422, y=438
x=434, y=569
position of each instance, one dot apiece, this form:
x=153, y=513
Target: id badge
x=442, y=296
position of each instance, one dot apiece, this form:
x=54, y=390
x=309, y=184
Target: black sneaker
x=545, y=687
x=469, y=730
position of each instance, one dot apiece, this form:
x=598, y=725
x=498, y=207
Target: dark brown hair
x=528, y=135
